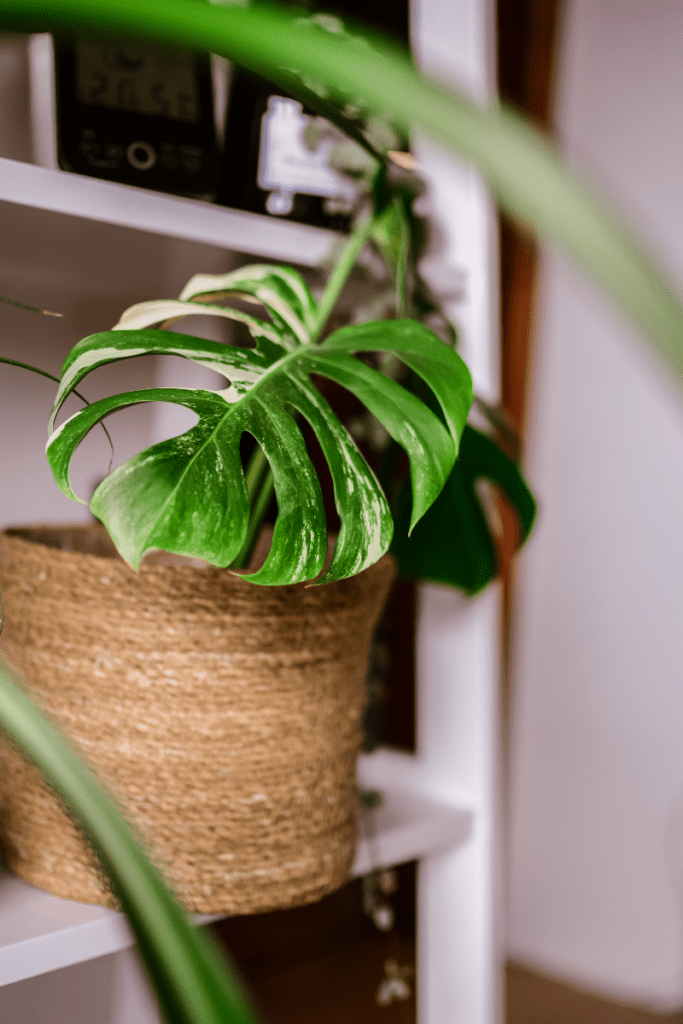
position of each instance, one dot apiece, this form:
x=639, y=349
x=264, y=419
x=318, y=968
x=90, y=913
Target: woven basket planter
x=225, y=716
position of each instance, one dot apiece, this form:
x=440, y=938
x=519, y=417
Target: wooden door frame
x=527, y=33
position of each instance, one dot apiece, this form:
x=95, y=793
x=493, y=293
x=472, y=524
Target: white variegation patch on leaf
x=165, y=312
x=188, y=495
x=280, y=290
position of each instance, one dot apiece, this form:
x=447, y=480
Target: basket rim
x=165, y=566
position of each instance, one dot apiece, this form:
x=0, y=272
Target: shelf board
x=79, y=196
x=405, y=827
x=41, y=933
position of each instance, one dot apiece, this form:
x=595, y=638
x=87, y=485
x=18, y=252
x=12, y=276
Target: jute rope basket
x=226, y=717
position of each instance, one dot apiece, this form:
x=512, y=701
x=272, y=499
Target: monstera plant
x=528, y=179
x=189, y=495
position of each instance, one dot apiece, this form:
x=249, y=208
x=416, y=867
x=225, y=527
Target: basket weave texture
x=225, y=716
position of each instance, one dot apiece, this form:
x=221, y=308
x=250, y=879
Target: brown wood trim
x=527, y=34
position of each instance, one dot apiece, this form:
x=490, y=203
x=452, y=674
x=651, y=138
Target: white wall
x=596, y=869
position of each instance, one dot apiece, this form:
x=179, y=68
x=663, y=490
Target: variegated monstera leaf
x=189, y=496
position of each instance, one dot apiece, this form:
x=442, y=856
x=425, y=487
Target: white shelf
x=406, y=827
x=77, y=195
x=41, y=933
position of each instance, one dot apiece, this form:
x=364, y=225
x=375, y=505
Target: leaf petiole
x=340, y=273
x=31, y=309
x=260, y=507
x=260, y=487
x=50, y=376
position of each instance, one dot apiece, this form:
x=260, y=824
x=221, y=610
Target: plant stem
x=33, y=369
x=259, y=477
x=31, y=309
x=260, y=487
x=50, y=376
x=340, y=273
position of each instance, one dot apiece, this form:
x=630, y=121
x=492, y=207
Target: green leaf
x=452, y=544
x=191, y=977
x=438, y=365
x=366, y=524
x=188, y=495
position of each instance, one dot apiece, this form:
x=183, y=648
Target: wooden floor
x=339, y=986
x=337, y=983
x=326, y=964
x=534, y=999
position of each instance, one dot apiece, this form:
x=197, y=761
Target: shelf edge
x=76, y=195
x=403, y=827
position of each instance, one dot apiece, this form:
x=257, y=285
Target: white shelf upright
x=460, y=940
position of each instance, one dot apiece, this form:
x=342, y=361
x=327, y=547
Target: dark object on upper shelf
x=267, y=167
x=137, y=114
